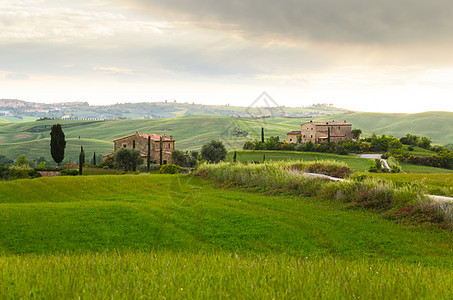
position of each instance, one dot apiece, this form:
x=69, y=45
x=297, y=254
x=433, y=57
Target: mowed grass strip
x=355, y=163
x=184, y=275
x=435, y=184
x=152, y=212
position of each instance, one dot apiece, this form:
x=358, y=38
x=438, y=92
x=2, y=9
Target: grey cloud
x=345, y=21
x=143, y=57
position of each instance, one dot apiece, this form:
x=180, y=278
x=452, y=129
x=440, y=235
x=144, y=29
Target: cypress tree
x=262, y=134
x=149, y=153
x=234, y=157
x=328, y=134
x=160, y=151
x=94, y=158
x=81, y=160
x=82, y=154
x=264, y=157
x=57, y=143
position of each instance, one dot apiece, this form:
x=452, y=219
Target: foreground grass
x=156, y=275
x=175, y=236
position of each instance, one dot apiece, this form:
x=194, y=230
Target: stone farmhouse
x=319, y=132
x=141, y=143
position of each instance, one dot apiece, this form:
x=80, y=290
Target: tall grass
x=182, y=275
x=370, y=193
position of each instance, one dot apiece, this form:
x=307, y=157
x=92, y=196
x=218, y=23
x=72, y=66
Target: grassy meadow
x=176, y=236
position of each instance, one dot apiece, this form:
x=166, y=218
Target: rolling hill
x=191, y=132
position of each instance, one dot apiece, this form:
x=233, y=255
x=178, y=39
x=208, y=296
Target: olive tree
x=213, y=151
x=127, y=159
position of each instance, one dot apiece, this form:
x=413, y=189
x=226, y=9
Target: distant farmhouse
x=320, y=132
x=141, y=143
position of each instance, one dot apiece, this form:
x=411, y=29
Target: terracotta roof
x=154, y=137
x=329, y=123
x=294, y=132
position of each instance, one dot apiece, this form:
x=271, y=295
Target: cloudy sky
x=386, y=55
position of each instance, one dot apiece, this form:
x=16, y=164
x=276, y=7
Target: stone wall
x=142, y=145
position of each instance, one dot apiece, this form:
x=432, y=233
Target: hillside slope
x=191, y=132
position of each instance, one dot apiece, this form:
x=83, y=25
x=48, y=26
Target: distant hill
x=20, y=111
x=191, y=132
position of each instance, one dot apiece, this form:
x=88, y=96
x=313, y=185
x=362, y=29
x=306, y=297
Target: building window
x=304, y=135
x=290, y=140
x=124, y=145
x=311, y=136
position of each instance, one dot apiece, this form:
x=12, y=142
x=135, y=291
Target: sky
x=386, y=55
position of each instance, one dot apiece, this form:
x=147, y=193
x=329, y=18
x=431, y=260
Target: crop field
x=177, y=236
x=354, y=162
x=436, y=184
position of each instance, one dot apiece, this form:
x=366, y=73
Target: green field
x=176, y=236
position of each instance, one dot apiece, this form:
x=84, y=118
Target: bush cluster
x=333, y=170
x=69, y=172
x=170, y=169
x=240, y=132
x=443, y=159
x=15, y=172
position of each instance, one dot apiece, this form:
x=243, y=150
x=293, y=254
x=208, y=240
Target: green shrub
x=248, y=145
x=329, y=170
x=376, y=166
x=170, y=169
x=69, y=172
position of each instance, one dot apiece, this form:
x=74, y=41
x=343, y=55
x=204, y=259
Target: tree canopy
x=127, y=159
x=214, y=151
